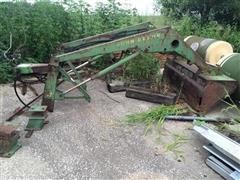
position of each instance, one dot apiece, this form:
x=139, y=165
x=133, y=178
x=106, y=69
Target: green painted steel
x=37, y=108
x=82, y=88
x=163, y=40
x=11, y=146
x=119, y=33
x=35, y=124
x=230, y=65
x=24, y=69
x=199, y=44
x=77, y=74
x=37, y=118
x=221, y=77
x=9, y=143
x=114, y=66
x=51, y=85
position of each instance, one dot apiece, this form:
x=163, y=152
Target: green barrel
x=211, y=50
x=199, y=44
x=230, y=65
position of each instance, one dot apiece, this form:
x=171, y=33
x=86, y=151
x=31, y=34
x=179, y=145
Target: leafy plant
x=225, y=12
x=233, y=126
x=143, y=67
x=155, y=116
x=178, y=141
x=37, y=29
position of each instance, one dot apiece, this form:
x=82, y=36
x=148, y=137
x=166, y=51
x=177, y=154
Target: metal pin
x=74, y=87
x=80, y=66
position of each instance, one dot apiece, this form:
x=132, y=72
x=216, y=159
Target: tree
x=226, y=12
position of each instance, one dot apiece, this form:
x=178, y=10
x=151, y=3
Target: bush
x=38, y=28
x=6, y=71
x=143, y=67
x=190, y=26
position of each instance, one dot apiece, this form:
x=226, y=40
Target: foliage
x=38, y=28
x=143, y=67
x=158, y=21
x=217, y=19
x=155, y=115
x=111, y=16
x=232, y=127
x=175, y=145
x=190, y=26
x=222, y=11
x=6, y=72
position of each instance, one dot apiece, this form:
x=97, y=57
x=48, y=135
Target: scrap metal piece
x=221, y=168
x=235, y=175
x=222, y=143
x=37, y=118
x=40, y=68
x=222, y=157
x=147, y=95
x=29, y=133
x=8, y=140
x=192, y=118
x=200, y=91
x=20, y=110
x=119, y=86
x=116, y=86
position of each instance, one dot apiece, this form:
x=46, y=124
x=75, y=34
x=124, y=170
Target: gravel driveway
x=88, y=140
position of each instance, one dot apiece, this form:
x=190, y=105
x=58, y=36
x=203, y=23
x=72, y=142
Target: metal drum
x=211, y=50
x=230, y=65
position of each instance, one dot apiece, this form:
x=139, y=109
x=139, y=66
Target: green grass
x=155, y=116
x=174, y=146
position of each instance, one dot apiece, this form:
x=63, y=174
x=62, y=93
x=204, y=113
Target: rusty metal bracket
x=8, y=140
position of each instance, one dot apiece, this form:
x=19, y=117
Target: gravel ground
x=88, y=140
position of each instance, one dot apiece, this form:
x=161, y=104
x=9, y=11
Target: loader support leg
x=50, y=86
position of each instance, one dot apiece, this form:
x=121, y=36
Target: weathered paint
x=24, y=68
x=51, y=85
x=108, y=36
x=164, y=40
x=230, y=65
x=114, y=66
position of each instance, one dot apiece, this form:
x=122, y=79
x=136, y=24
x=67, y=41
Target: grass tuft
x=155, y=116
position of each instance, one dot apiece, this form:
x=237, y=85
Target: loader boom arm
x=106, y=37
x=202, y=86
x=164, y=40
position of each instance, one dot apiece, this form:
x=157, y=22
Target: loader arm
x=107, y=37
x=164, y=40
x=202, y=85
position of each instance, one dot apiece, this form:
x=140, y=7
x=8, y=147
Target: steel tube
x=86, y=63
x=105, y=71
x=74, y=87
x=192, y=118
x=114, y=66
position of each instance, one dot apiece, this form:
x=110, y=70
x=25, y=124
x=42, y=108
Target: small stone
x=179, y=160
